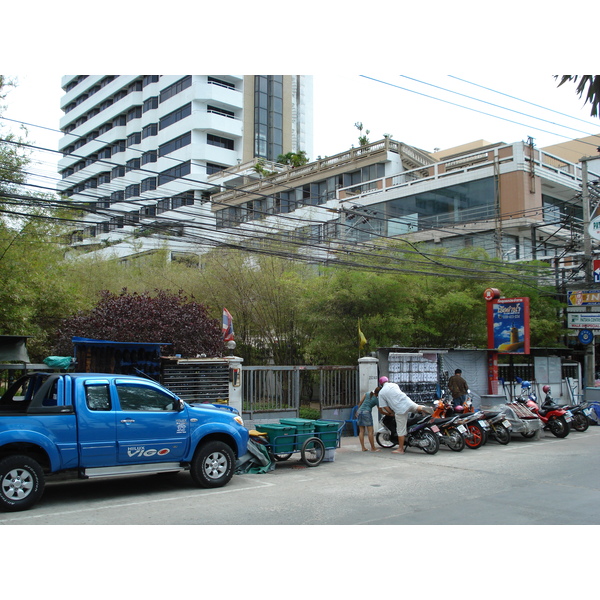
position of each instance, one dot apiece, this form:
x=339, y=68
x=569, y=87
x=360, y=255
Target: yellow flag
x=362, y=340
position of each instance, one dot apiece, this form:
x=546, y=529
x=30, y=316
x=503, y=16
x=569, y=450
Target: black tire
x=432, y=444
x=501, y=434
x=580, y=422
x=212, y=465
x=385, y=440
x=559, y=427
x=528, y=434
x=21, y=483
x=455, y=441
x=282, y=457
x=312, y=452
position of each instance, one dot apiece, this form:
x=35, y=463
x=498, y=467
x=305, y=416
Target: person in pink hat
x=393, y=401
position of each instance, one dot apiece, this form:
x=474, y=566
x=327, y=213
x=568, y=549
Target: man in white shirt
x=393, y=401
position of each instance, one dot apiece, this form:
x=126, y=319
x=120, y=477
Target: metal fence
x=287, y=388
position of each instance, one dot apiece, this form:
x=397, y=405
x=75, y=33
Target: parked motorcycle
x=579, y=413
x=419, y=434
x=451, y=433
x=554, y=418
x=474, y=421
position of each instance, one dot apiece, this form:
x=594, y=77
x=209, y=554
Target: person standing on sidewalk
x=394, y=402
x=364, y=418
x=458, y=388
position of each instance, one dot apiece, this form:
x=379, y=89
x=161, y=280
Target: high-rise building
x=136, y=146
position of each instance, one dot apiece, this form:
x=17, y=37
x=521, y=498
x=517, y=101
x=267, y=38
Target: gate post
x=367, y=381
x=235, y=382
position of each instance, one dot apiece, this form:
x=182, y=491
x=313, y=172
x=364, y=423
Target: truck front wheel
x=21, y=483
x=212, y=465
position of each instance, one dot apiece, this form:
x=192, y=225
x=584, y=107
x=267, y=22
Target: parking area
x=549, y=481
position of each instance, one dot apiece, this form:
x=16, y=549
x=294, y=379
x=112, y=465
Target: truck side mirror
x=179, y=404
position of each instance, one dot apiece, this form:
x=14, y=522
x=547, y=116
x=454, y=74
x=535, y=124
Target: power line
x=462, y=106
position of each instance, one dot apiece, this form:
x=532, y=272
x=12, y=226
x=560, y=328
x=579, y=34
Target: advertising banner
x=583, y=320
x=508, y=325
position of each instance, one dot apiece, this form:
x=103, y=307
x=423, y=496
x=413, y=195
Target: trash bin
x=281, y=437
x=328, y=432
x=305, y=428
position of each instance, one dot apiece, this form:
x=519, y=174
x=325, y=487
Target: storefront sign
x=583, y=297
x=508, y=325
x=583, y=320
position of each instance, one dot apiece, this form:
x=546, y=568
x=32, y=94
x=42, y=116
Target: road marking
x=129, y=504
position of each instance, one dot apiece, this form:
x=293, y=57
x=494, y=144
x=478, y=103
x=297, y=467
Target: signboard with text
x=508, y=325
x=583, y=297
x=583, y=320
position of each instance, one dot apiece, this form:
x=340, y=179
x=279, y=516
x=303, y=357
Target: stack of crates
x=305, y=428
x=281, y=437
x=328, y=432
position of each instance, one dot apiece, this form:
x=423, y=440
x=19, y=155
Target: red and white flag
x=227, y=326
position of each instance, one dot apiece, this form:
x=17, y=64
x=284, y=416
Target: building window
x=174, y=173
x=176, y=115
x=132, y=190
x=119, y=146
x=134, y=138
x=148, y=184
x=184, y=199
x=221, y=142
x=132, y=164
x=150, y=130
x=134, y=113
x=214, y=168
x=149, y=157
x=117, y=196
x=150, y=104
x=220, y=82
x=268, y=116
x=177, y=87
x=105, y=153
x=118, y=172
x=148, y=79
x=179, y=142
x=220, y=111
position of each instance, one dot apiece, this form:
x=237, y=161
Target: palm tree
x=592, y=95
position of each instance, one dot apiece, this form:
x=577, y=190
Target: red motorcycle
x=554, y=418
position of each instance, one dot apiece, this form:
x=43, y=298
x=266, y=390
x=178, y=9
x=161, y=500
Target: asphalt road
x=549, y=481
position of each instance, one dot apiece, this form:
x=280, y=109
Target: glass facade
x=469, y=201
x=268, y=116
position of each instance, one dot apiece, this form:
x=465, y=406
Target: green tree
x=591, y=94
x=363, y=139
x=34, y=292
x=160, y=317
x=294, y=159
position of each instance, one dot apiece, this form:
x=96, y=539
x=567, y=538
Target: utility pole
x=590, y=350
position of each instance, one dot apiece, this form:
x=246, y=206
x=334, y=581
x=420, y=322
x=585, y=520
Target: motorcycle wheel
x=385, y=440
x=477, y=436
x=528, y=434
x=455, y=441
x=559, y=427
x=502, y=435
x=433, y=443
x=580, y=422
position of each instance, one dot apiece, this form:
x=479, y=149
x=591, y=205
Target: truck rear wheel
x=212, y=465
x=21, y=483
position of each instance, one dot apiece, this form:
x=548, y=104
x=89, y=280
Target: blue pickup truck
x=106, y=425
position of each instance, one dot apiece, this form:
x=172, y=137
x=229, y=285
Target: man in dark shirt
x=458, y=388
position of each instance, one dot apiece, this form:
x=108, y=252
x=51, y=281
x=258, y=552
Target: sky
x=429, y=111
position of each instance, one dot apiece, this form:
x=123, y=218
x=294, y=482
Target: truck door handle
x=127, y=420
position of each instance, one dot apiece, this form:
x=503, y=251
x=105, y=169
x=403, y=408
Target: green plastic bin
x=281, y=437
x=305, y=428
x=328, y=432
